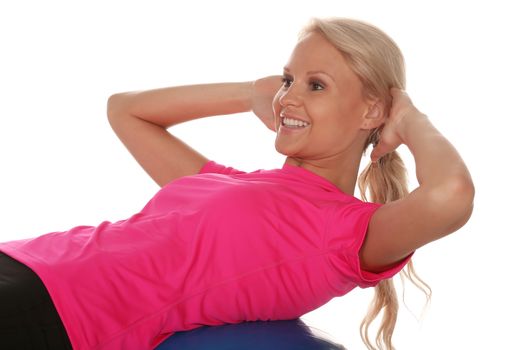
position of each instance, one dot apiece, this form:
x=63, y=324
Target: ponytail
x=386, y=181
x=378, y=62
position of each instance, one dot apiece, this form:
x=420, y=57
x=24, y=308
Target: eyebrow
x=286, y=69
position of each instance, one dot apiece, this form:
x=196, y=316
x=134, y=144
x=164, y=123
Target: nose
x=290, y=96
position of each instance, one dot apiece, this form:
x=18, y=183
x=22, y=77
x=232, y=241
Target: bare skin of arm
x=441, y=204
x=141, y=120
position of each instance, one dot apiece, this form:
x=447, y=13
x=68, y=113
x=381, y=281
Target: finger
x=395, y=90
x=376, y=153
x=399, y=94
x=382, y=148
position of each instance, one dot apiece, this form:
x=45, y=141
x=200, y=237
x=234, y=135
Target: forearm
x=438, y=164
x=174, y=105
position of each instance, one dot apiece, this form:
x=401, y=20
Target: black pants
x=28, y=318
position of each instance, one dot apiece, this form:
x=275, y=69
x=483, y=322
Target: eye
x=316, y=85
x=286, y=81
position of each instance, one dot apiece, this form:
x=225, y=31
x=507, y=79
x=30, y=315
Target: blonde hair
x=378, y=62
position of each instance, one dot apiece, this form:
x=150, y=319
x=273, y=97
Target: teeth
x=294, y=122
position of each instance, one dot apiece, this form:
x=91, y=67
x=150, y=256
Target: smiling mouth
x=293, y=123
x=294, y=126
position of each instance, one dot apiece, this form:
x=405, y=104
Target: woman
x=218, y=245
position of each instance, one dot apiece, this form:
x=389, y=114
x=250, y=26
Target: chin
x=286, y=151
x=281, y=150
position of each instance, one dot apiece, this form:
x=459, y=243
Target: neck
x=341, y=169
x=341, y=174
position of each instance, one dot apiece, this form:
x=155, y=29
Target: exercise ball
x=259, y=335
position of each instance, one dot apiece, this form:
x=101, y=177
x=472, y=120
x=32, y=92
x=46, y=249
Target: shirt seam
x=330, y=216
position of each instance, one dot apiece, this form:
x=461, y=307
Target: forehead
x=315, y=53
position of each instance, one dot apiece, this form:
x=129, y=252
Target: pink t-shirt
x=222, y=246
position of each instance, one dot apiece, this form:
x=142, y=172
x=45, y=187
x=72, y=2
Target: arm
x=441, y=204
x=141, y=119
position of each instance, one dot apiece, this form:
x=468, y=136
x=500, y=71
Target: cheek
x=348, y=116
x=338, y=124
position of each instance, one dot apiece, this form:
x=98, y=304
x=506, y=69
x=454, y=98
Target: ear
x=373, y=116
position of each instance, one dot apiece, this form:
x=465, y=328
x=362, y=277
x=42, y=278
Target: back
x=223, y=246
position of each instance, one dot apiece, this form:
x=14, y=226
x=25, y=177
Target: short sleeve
x=213, y=167
x=370, y=279
x=353, y=220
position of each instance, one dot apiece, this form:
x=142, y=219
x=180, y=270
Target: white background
x=62, y=166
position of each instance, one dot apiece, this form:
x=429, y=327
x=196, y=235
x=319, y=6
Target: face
x=321, y=89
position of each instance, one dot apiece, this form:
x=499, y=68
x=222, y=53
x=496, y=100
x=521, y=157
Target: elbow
x=464, y=192
x=114, y=105
x=120, y=104
x=457, y=199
